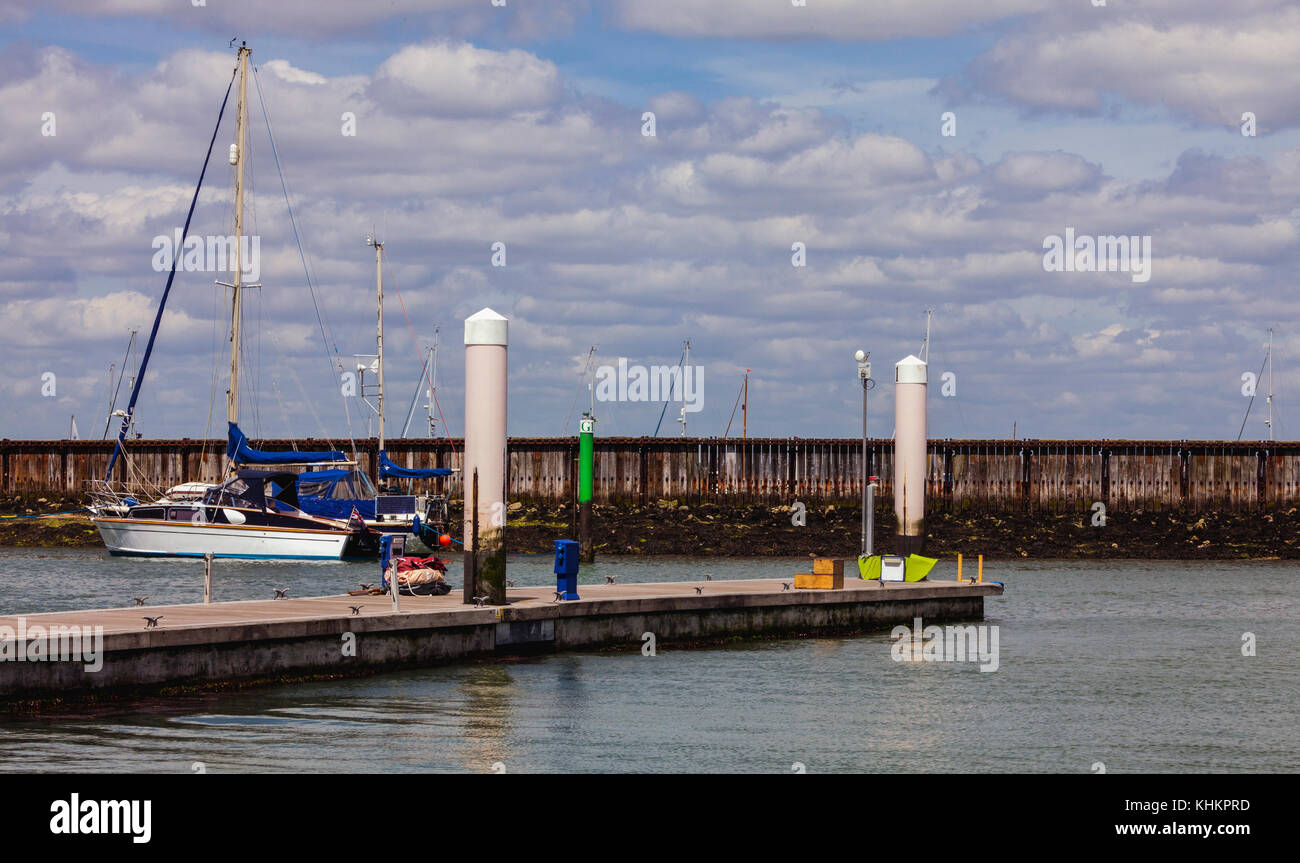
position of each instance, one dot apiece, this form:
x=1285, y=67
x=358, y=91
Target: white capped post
x=910, y=380
x=486, y=343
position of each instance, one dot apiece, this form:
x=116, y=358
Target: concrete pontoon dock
x=210, y=645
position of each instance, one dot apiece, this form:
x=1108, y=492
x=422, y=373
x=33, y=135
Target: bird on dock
x=972, y=579
x=479, y=600
x=151, y=622
x=356, y=609
x=785, y=585
x=559, y=594
x=139, y=600
x=281, y=592
x=708, y=577
x=365, y=586
x=698, y=591
x=609, y=579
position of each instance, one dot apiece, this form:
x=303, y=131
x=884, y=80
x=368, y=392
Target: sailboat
x=254, y=513
x=336, y=492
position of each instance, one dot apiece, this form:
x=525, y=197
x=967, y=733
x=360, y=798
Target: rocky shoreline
x=666, y=527
x=729, y=530
x=19, y=529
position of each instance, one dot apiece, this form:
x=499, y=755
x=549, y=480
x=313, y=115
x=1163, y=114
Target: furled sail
x=240, y=452
x=388, y=469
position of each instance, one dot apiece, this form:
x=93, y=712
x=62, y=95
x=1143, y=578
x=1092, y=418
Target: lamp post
x=868, y=516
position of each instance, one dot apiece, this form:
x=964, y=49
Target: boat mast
x=379, y=340
x=1270, y=383
x=686, y=367
x=744, y=409
x=237, y=159
x=433, y=379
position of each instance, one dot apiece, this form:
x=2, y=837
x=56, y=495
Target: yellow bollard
x=981, y=575
x=959, y=567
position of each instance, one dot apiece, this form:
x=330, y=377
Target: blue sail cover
x=240, y=452
x=388, y=469
x=334, y=493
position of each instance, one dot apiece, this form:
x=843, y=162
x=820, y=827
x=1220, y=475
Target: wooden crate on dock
x=820, y=580
x=829, y=566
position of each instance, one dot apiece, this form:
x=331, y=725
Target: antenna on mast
x=1269, y=358
x=686, y=365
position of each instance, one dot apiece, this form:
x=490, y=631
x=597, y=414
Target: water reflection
x=487, y=689
x=1138, y=667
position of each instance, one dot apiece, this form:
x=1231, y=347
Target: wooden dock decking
x=206, y=644
x=265, y=611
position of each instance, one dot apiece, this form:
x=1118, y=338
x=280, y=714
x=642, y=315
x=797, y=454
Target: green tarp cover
x=916, y=568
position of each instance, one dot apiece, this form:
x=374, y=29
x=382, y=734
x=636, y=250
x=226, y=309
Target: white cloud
x=1210, y=69
x=461, y=79
x=632, y=244
x=1045, y=172
x=826, y=19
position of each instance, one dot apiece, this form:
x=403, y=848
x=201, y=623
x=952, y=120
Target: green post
x=586, y=469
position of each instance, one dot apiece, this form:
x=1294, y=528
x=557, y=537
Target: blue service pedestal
x=385, y=555
x=566, y=568
x=391, y=545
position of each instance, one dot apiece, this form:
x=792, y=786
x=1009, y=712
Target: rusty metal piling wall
x=975, y=474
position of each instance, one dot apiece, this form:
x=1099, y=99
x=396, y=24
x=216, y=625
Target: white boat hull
x=184, y=539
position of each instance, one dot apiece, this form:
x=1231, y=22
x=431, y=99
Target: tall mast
x=237, y=280
x=744, y=409
x=379, y=340
x=1270, y=383
x=433, y=378
x=686, y=366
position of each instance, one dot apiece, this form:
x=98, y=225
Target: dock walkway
x=223, y=642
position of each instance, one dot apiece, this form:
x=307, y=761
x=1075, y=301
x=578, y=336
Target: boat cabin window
x=353, y=485
x=234, y=493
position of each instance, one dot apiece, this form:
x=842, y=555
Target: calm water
x=1137, y=665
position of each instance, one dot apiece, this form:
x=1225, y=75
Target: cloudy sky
x=775, y=124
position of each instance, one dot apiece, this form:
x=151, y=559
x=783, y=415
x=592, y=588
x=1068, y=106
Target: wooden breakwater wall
x=979, y=474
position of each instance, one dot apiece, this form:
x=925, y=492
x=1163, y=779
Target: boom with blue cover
x=335, y=493
x=240, y=452
x=388, y=469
